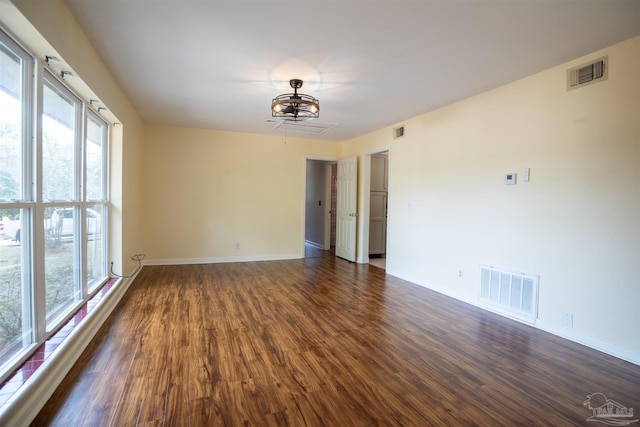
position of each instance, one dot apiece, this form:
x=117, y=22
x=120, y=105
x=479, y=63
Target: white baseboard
x=562, y=332
x=590, y=341
x=314, y=244
x=27, y=402
x=220, y=260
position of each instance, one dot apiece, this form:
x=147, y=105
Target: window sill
x=42, y=353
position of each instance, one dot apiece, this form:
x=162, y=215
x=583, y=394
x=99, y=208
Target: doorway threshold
x=380, y=262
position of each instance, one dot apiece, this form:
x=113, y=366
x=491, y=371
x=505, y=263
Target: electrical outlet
x=237, y=245
x=460, y=274
x=567, y=320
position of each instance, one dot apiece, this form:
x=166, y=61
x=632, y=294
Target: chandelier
x=295, y=106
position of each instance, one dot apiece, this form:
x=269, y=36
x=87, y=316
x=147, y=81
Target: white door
x=346, y=207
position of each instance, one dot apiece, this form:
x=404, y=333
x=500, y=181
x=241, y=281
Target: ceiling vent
x=304, y=126
x=586, y=74
x=398, y=132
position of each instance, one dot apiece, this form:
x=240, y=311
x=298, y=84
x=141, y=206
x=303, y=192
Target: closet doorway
x=378, y=204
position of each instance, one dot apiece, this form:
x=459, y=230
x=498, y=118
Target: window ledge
x=37, y=365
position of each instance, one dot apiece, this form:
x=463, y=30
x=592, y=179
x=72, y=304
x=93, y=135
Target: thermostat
x=509, y=178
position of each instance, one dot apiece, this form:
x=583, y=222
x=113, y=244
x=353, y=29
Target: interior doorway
x=320, y=208
x=378, y=208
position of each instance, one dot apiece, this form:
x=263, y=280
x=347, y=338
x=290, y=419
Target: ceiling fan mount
x=295, y=84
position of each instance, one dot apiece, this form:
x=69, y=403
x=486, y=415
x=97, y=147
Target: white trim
x=589, y=341
x=314, y=244
x=304, y=197
x=364, y=208
x=222, y=260
x=559, y=331
x=327, y=205
x=27, y=402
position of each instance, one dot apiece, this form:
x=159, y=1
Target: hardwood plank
x=319, y=342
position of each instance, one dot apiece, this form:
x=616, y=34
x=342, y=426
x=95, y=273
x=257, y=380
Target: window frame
x=89, y=288
x=26, y=205
x=33, y=205
x=53, y=322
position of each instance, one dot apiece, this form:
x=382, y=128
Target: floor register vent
x=512, y=294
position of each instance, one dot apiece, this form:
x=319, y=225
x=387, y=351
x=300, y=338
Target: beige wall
x=576, y=224
x=206, y=190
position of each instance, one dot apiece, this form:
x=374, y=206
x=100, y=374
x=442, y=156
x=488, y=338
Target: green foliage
x=12, y=214
x=10, y=305
x=60, y=288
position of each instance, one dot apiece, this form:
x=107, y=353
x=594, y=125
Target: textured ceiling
x=217, y=64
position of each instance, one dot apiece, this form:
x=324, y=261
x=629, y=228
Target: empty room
x=339, y=213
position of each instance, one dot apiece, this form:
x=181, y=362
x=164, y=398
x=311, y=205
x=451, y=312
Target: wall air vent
x=398, y=132
x=586, y=74
x=509, y=293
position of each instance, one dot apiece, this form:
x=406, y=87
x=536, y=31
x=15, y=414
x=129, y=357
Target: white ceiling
x=217, y=64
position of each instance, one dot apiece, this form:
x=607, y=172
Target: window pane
x=15, y=298
x=58, y=150
x=96, y=140
x=96, y=265
x=10, y=124
x=60, y=262
x=16, y=331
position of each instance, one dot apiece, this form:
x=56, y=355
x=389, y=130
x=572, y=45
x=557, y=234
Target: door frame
x=365, y=200
x=304, y=193
x=328, y=197
x=347, y=215
x=364, y=188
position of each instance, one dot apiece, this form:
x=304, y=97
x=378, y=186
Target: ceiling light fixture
x=295, y=106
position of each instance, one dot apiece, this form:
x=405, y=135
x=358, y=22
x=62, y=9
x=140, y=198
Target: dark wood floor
x=322, y=342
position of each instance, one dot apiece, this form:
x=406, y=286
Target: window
x=53, y=203
x=16, y=207
x=95, y=150
x=60, y=196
